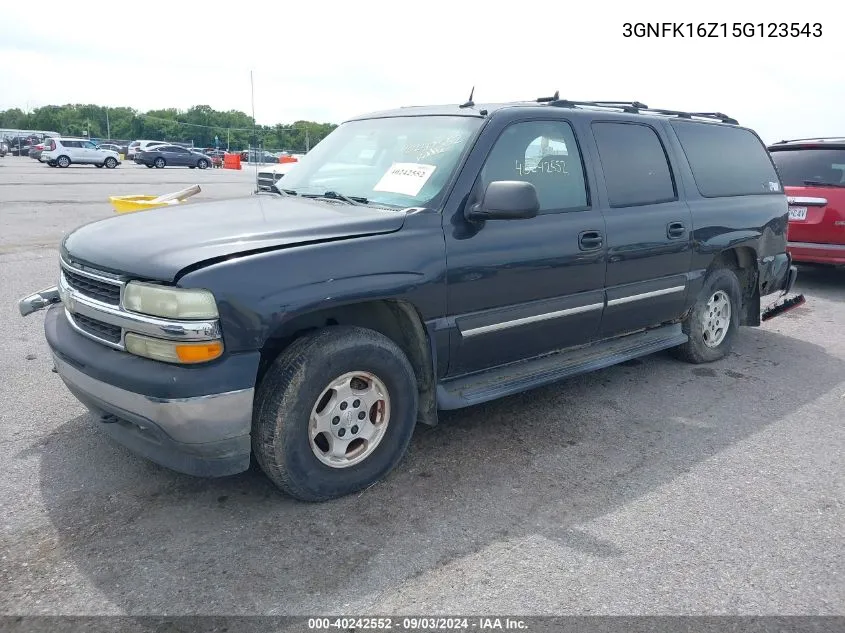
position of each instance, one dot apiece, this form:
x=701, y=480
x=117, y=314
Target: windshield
x=401, y=161
x=803, y=166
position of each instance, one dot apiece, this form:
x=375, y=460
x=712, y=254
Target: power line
x=220, y=127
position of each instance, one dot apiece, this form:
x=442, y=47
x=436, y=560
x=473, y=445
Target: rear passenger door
x=649, y=248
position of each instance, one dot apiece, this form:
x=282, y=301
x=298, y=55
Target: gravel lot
x=653, y=487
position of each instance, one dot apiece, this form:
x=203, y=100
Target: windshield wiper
x=334, y=195
x=283, y=192
x=819, y=183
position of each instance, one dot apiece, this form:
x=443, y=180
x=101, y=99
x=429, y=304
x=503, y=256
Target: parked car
x=412, y=263
x=36, y=150
x=111, y=147
x=172, y=156
x=136, y=147
x=65, y=151
x=4, y=148
x=813, y=172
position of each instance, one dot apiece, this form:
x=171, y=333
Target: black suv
x=420, y=259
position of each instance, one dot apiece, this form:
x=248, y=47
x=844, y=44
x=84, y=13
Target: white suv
x=61, y=152
x=136, y=147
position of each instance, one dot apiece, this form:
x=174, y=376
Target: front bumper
x=194, y=420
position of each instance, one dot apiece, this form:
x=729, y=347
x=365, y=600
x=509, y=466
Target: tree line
x=198, y=125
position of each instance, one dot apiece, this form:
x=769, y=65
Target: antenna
x=469, y=103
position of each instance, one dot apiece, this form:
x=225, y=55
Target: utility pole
x=307, y=140
x=108, y=127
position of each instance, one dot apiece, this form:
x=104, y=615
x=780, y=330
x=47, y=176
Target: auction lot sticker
x=405, y=178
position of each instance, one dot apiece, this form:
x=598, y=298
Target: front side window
x=634, y=163
x=545, y=154
x=397, y=161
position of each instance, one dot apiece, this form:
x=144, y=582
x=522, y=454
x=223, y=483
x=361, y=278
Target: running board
x=521, y=376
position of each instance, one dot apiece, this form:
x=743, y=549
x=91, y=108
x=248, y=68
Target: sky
x=328, y=61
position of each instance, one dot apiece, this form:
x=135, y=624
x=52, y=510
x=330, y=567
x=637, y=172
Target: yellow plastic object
x=130, y=204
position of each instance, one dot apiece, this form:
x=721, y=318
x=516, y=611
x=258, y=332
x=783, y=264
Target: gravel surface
x=652, y=487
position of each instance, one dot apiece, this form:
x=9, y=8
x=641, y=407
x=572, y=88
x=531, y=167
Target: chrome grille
x=94, y=288
x=267, y=178
x=98, y=329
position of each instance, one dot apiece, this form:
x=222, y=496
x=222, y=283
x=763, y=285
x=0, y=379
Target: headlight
x=169, y=302
x=172, y=351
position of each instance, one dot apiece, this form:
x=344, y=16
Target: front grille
x=94, y=288
x=266, y=179
x=110, y=333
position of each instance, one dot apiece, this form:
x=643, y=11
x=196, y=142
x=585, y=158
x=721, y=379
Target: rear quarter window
x=727, y=161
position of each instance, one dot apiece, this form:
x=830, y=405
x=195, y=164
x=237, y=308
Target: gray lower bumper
x=206, y=436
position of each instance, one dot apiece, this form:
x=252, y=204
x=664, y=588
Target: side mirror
x=507, y=200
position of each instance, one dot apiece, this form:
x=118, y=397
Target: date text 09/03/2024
x=722, y=29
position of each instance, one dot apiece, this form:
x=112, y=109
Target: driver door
x=520, y=288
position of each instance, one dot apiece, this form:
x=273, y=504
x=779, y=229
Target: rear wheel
x=334, y=413
x=714, y=320
x=159, y=163
x=63, y=161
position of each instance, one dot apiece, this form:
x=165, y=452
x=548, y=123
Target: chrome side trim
x=484, y=329
x=76, y=303
x=202, y=419
x=809, y=201
x=646, y=295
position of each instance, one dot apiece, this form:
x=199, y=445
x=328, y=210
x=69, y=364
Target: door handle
x=589, y=240
x=675, y=230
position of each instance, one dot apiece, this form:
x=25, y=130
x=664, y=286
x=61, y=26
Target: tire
x=159, y=163
x=283, y=441
x=202, y=163
x=721, y=293
x=98, y=166
x=110, y=163
x=148, y=166
x=63, y=162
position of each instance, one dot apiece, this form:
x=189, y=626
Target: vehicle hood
x=159, y=243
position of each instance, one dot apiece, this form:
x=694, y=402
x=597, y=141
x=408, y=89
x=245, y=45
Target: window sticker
x=405, y=178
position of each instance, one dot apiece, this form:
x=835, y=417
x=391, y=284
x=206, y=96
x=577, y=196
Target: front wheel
x=334, y=413
x=202, y=164
x=110, y=163
x=714, y=320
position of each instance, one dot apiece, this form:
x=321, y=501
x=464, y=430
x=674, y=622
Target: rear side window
x=810, y=166
x=634, y=162
x=727, y=161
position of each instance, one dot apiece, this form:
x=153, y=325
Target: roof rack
x=815, y=138
x=637, y=107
